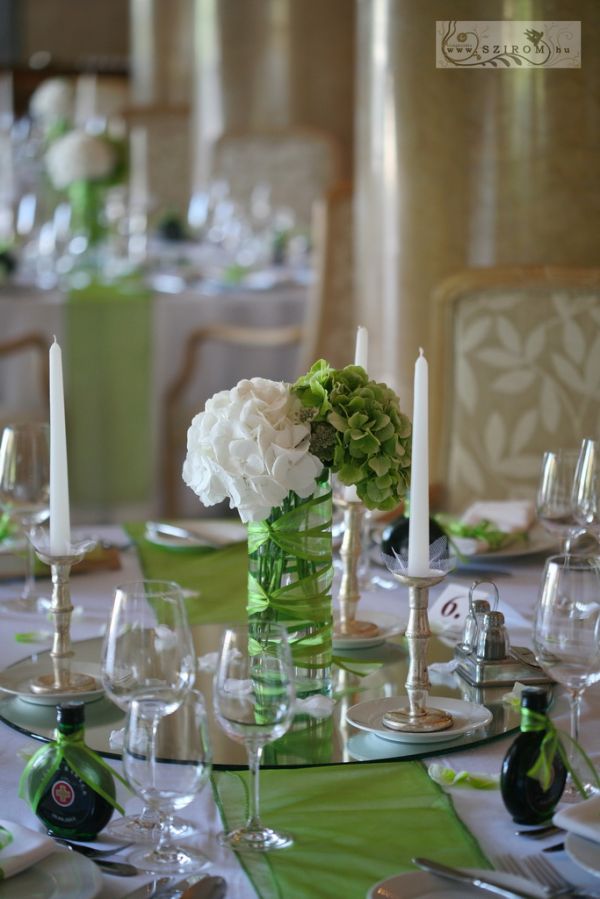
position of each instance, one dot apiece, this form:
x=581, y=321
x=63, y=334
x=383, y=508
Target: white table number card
x=449, y=611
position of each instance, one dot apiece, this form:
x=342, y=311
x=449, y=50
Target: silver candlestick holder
x=62, y=679
x=350, y=553
x=418, y=717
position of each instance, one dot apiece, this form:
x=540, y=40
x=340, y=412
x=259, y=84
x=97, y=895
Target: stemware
x=253, y=697
x=25, y=496
x=167, y=761
x=554, y=502
x=586, y=487
x=147, y=654
x=566, y=633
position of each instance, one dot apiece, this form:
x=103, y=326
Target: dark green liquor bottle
x=524, y=797
x=69, y=787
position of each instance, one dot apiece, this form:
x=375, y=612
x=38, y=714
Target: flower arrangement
x=262, y=439
x=78, y=156
x=52, y=103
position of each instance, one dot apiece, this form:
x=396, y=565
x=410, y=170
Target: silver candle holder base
x=62, y=679
x=350, y=553
x=418, y=717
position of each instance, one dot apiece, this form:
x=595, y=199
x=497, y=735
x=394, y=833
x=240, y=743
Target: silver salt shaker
x=492, y=638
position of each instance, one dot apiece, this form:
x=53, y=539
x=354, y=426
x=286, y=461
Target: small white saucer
x=467, y=716
x=584, y=853
x=388, y=625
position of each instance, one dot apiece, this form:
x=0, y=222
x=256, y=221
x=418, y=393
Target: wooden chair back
x=24, y=390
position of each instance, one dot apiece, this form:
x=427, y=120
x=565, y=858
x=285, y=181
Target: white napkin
x=582, y=818
x=25, y=849
x=510, y=515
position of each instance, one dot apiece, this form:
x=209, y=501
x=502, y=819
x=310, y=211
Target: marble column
x=465, y=168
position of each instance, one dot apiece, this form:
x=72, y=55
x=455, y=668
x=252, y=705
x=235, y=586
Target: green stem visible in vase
x=86, y=198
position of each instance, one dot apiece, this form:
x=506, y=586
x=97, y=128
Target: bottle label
x=69, y=803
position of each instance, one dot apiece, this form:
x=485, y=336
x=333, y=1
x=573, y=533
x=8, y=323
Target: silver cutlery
x=538, y=867
x=540, y=833
x=148, y=890
x=207, y=888
x=90, y=851
x=119, y=869
x=557, y=847
x=481, y=883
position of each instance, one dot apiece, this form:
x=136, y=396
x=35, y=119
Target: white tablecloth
x=482, y=812
x=174, y=317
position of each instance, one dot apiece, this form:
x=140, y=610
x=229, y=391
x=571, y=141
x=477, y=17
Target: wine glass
x=253, y=697
x=25, y=496
x=167, y=761
x=147, y=654
x=554, y=502
x=586, y=487
x=566, y=633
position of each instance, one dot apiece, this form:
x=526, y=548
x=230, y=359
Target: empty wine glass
x=253, y=697
x=566, y=633
x=25, y=496
x=167, y=761
x=586, y=487
x=147, y=654
x=554, y=502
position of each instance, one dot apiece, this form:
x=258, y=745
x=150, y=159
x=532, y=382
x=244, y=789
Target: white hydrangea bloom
x=78, y=156
x=249, y=447
x=52, y=101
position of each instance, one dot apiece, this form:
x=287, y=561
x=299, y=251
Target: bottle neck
x=69, y=734
x=532, y=721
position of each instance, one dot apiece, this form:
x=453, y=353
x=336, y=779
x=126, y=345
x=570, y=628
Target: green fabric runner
x=108, y=387
x=352, y=824
x=218, y=574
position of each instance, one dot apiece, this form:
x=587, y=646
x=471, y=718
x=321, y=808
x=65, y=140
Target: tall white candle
x=361, y=352
x=138, y=167
x=60, y=524
x=418, y=529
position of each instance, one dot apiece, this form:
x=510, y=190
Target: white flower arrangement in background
x=78, y=156
x=52, y=102
x=250, y=446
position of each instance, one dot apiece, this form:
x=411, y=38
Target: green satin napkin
x=219, y=575
x=353, y=825
x=108, y=387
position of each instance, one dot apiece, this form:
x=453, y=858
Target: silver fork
x=540, y=869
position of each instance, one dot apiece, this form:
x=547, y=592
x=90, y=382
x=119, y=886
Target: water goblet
x=147, y=654
x=566, y=634
x=167, y=761
x=253, y=695
x=554, y=502
x=25, y=496
x=586, y=487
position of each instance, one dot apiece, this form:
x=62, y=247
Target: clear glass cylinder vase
x=290, y=572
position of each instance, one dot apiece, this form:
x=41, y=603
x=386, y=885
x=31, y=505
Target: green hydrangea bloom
x=358, y=431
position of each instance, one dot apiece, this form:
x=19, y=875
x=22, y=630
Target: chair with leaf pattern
x=515, y=372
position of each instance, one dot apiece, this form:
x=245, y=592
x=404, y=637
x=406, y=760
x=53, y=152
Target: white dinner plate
x=211, y=532
x=467, y=716
x=16, y=680
x=421, y=885
x=388, y=625
x=584, y=853
x=62, y=875
x=538, y=541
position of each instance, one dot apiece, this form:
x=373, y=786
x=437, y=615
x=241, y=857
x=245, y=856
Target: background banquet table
x=483, y=813
x=172, y=318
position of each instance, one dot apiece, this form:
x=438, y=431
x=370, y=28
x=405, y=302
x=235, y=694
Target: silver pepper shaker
x=492, y=639
x=473, y=621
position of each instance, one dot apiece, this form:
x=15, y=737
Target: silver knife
x=148, y=890
x=172, y=530
x=463, y=877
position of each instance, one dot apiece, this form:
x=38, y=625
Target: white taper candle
x=60, y=524
x=418, y=530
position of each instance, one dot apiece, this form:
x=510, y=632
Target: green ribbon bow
x=75, y=753
x=553, y=743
